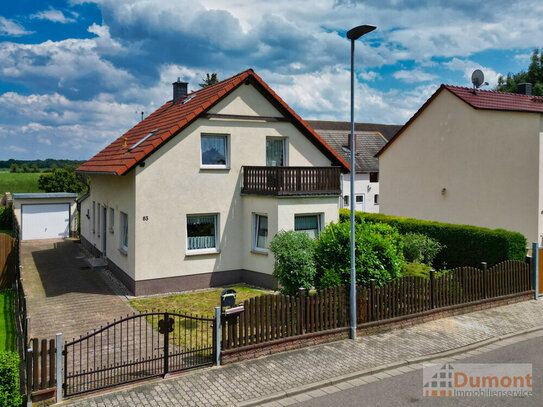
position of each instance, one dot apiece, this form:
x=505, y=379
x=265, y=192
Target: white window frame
x=255, y=248
x=210, y=250
x=320, y=221
x=93, y=217
x=123, y=240
x=111, y=219
x=99, y=207
x=225, y=166
x=285, y=148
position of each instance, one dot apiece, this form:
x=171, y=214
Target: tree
x=35, y=168
x=14, y=168
x=534, y=75
x=54, y=167
x=209, y=80
x=25, y=167
x=63, y=180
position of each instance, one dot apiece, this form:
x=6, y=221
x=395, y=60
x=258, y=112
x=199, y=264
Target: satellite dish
x=477, y=78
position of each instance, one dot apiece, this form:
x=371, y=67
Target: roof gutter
x=96, y=172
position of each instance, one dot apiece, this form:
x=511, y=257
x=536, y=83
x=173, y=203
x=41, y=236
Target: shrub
x=378, y=254
x=6, y=218
x=420, y=248
x=465, y=245
x=294, y=265
x=416, y=269
x=9, y=379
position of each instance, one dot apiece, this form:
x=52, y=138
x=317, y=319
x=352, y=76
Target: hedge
x=466, y=245
x=6, y=218
x=9, y=379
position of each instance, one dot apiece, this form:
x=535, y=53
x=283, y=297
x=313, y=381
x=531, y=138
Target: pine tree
x=209, y=80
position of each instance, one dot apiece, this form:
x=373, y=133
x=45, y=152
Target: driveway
x=63, y=293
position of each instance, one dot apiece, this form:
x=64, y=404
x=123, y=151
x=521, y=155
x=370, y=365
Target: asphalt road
x=406, y=389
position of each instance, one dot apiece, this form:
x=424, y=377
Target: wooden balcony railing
x=285, y=181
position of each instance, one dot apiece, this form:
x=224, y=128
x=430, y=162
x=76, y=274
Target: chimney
x=179, y=90
x=524, y=88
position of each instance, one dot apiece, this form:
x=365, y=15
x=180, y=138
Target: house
x=370, y=139
x=469, y=157
x=191, y=196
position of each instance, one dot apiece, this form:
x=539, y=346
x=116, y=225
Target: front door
x=104, y=227
x=359, y=203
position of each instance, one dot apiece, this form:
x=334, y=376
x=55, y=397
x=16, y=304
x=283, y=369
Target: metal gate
x=135, y=348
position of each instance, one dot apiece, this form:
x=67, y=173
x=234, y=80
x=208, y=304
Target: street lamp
x=354, y=34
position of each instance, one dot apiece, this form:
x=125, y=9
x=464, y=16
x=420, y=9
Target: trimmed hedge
x=6, y=218
x=465, y=245
x=9, y=379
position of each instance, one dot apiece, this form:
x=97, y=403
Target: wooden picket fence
x=8, y=261
x=40, y=366
x=272, y=317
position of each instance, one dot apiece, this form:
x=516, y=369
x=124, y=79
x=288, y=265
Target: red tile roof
x=483, y=100
x=170, y=119
x=490, y=100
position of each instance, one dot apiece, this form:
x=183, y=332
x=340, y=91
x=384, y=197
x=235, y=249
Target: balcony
x=291, y=181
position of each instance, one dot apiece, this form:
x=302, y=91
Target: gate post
x=59, y=367
x=535, y=269
x=166, y=343
x=29, y=366
x=218, y=336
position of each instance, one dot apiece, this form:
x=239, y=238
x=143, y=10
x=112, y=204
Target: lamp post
x=354, y=34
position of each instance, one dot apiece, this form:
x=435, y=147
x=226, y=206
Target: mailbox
x=228, y=302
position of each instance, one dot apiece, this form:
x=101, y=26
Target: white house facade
x=192, y=195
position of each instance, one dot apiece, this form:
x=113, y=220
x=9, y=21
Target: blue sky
x=74, y=74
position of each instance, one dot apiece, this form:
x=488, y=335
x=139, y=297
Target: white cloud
x=53, y=15
x=11, y=27
x=467, y=66
x=16, y=149
x=414, y=76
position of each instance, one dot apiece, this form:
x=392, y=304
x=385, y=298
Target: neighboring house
x=370, y=138
x=469, y=157
x=192, y=195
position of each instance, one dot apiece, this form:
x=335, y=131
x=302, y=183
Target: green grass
x=8, y=334
x=19, y=182
x=7, y=232
x=200, y=303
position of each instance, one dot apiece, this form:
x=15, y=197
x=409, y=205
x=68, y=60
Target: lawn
x=8, y=335
x=19, y=182
x=200, y=303
x=7, y=232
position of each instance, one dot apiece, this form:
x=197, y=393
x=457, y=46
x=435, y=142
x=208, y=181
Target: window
x=374, y=177
x=260, y=236
x=93, y=217
x=275, y=152
x=202, y=233
x=215, y=152
x=124, y=232
x=309, y=224
x=98, y=218
x=359, y=199
x=111, y=220
x=376, y=199
x=346, y=201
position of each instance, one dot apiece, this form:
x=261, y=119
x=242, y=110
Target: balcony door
x=276, y=152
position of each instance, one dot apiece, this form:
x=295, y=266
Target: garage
x=45, y=216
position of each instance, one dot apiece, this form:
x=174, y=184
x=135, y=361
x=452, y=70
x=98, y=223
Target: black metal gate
x=135, y=348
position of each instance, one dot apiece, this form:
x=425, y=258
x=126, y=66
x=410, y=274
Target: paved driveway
x=64, y=294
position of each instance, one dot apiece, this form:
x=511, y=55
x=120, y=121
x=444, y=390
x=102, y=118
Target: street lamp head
x=357, y=32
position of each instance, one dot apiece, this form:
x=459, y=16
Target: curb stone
x=366, y=372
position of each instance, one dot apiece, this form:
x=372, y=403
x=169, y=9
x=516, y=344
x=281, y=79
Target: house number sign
x=145, y=218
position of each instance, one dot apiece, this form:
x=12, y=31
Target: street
x=406, y=389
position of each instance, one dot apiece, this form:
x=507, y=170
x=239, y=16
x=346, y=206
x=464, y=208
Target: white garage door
x=45, y=221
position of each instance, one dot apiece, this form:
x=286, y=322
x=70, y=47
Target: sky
x=76, y=74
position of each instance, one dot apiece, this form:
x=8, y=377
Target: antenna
x=478, y=79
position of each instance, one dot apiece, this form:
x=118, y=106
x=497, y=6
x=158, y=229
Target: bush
x=378, y=254
x=294, y=265
x=6, y=218
x=416, y=269
x=420, y=248
x=9, y=379
x=465, y=245
x=64, y=180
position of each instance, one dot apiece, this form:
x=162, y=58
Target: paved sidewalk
x=240, y=382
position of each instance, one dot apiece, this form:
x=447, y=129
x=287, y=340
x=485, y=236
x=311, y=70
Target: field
x=18, y=182
x=8, y=336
